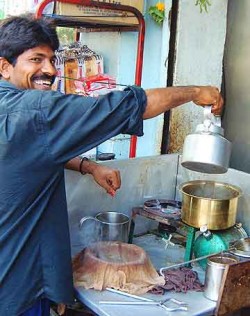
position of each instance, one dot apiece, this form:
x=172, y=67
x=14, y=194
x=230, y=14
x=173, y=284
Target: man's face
x=34, y=69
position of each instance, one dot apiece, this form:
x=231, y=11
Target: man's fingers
x=111, y=192
x=114, y=180
x=217, y=106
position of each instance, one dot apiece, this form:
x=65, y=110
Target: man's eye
x=36, y=60
x=53, y=61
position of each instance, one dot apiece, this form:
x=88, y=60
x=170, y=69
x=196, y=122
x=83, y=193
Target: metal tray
x=241, y=247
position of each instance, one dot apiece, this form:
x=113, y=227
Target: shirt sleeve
x=75, y=124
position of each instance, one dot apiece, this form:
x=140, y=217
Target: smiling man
x=40, y=132
x=34, y=70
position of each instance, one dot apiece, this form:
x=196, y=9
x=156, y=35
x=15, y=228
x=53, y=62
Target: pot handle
x=209, y=118
x=85, y=218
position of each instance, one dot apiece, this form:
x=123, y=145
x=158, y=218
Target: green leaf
x=157, y=15
x=203, y=5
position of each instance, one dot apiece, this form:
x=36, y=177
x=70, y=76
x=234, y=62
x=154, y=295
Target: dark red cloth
x=179, y=280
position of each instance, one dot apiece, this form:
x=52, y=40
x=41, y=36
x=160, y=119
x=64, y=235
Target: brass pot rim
x=232, y=187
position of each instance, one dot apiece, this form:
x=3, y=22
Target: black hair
x=20, y=33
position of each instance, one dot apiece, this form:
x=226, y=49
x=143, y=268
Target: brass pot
x=209, y=203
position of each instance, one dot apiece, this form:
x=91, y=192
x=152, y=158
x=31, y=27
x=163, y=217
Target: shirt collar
x=6, y=84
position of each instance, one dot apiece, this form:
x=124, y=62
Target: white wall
x=119, y=51
x=199, y=55
x=155, y=69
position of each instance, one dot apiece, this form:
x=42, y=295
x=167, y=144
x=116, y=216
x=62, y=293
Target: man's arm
x=163, y=99
x=106, y=177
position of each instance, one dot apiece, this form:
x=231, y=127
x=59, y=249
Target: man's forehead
x=44, y=50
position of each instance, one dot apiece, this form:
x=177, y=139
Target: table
x=160, y=257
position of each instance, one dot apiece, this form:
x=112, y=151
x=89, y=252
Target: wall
x=155, y=70
x=237, y=83
x=120, y=60
x=2, y=7
x=15, y=7
x=199, y=54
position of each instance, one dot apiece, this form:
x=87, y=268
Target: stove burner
x=165, y=208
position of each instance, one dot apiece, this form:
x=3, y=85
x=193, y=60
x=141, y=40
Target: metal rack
x=161, y=217
x=82, y=22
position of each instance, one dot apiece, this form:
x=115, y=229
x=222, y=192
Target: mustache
x=44, y=77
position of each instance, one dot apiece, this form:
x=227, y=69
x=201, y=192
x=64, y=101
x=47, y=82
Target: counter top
x=160, y=257
x=197, y=304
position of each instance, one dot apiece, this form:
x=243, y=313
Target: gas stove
x=166, y=212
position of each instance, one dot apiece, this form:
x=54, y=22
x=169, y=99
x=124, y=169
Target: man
x=40, y=131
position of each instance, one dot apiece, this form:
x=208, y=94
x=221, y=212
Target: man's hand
x=210, y=96
x=106, y=177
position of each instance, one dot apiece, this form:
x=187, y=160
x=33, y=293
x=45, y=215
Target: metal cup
x=110, y=226
x=216, y=266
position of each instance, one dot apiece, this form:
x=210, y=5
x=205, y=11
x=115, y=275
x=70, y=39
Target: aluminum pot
x=209, y=203
x=207, y=150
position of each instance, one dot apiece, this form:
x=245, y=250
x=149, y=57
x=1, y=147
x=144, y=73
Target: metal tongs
x=146, y=301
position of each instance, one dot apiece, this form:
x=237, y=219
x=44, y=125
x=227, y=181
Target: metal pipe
x=128, y=303
x=194, y=260
x=169, y=309
x=181, y=303
x=129, y=295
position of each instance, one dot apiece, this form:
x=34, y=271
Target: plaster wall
x=199, y=54
x=119, y=52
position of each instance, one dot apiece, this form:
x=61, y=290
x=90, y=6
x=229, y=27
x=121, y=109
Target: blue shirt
x=39, y=132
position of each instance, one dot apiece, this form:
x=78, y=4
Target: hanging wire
x=84, y=81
